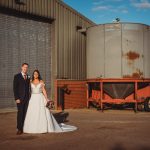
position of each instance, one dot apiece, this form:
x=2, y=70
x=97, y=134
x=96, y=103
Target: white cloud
x=105, y=1
x=111, y=8
x=142, y=4
x=98, y=8
x=125, y=11
x=98, y=3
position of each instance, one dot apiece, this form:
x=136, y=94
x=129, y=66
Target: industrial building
x=44, y=34
x=102, y=64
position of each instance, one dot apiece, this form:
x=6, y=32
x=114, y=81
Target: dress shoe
x=19, y=132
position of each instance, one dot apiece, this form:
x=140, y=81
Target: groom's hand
x=18, y=101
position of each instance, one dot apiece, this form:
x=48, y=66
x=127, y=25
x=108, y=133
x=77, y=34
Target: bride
x=38, y=117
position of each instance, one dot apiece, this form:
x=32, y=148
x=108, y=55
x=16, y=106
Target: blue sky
x=105, y=11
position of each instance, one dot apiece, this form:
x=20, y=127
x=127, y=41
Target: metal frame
x=103, y=101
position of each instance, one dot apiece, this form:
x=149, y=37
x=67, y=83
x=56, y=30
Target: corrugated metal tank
x=118, y=50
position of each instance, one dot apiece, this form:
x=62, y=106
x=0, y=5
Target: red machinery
x=118, y=91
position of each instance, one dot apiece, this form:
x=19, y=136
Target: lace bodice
x=36, y=89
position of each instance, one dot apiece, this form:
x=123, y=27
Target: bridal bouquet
x=50, y=104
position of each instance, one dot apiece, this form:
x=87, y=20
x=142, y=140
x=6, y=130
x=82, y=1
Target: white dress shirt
x=23, y=74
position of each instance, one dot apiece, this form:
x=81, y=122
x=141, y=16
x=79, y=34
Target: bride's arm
x=44, y=90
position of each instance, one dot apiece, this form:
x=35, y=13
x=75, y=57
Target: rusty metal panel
x=95, y=52
x=132, y=48
x=147, y=51
x=113, y=51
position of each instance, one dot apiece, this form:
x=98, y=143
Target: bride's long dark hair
x=39, y=76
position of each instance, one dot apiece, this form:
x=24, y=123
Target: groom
x=21, y=88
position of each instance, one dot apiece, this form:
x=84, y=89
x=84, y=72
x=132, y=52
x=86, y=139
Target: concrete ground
x=111, y=130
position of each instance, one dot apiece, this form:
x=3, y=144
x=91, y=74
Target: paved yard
x=111, y=130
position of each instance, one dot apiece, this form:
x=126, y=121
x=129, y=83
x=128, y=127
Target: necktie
x=25, y=77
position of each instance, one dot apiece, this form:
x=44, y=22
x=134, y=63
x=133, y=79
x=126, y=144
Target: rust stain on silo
x=137, y=74
x=131, y=55
x=126, y=76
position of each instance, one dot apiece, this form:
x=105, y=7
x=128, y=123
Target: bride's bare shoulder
x=42, y=82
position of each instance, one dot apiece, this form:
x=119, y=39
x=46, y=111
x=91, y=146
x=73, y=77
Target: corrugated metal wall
x=22, y=40
x=71, y=50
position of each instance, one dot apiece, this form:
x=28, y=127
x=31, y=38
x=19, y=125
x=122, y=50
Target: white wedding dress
x=38, y=117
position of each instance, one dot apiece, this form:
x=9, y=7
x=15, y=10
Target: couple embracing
x=31, y=98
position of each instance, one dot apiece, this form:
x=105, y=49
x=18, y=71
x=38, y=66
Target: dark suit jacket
x=21, y=87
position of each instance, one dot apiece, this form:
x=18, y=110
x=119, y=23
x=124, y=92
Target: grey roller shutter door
x=22, y=40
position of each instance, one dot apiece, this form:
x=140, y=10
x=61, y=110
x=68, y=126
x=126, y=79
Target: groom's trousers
x=22, y=109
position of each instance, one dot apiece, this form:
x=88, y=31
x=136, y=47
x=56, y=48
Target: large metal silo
x=118, y=50
x=118, y=64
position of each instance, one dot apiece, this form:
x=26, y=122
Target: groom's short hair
x=25, y=64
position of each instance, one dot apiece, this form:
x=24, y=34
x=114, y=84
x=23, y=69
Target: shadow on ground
x=61, y=117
